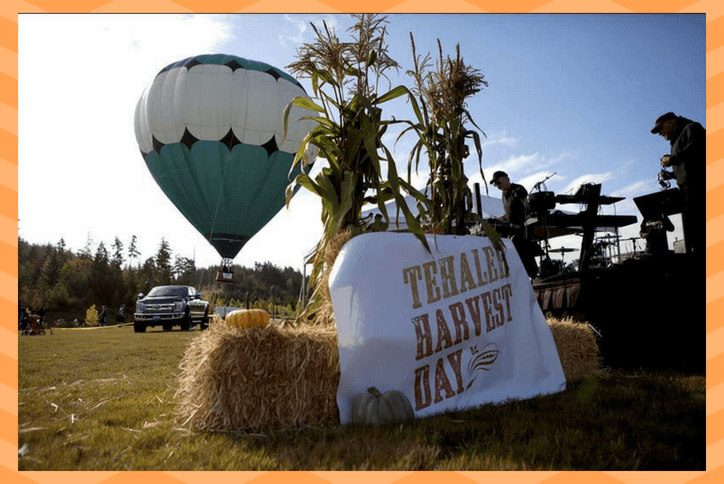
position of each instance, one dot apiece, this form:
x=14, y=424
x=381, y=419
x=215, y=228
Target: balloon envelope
x=211, y=131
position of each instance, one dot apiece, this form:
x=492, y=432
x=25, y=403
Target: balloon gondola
x=211, y=131
x=225, y=274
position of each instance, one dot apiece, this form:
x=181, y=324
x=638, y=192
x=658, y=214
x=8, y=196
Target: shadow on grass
x=627, y=421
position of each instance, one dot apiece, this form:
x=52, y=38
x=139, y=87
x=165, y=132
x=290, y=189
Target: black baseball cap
x=661, y=120
x=497, y=176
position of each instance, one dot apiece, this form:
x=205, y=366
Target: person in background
x=514, y=198
x=41, y=314
x=654, y=232
x=103, y=317
x=515, y=205
x=23, y=319
x=121, y=317
x=688, y=161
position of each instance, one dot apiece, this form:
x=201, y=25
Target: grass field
x=103, y=399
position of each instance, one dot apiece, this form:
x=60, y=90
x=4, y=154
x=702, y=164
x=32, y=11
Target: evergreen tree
x=76, y=276
x=101, y=256
x=87, y=252
x=183, y=270
x=25, y=282
x=117, y=253
x=163, y=263
x=51, y=268
x=64, y=255
x=131, y=287
x=116, y=275
x=101, y=280
x=148, y=275
x=133, y=253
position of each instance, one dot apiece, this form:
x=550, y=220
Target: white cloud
x=498, y=138
x=635, y=189
x=515, y=164
x=520, y=162
x=300, y=25
x=529, y=181
x=564, y=156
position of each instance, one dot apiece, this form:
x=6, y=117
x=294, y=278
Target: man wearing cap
x=688, y=160
x=514, y=203
x=514, y=198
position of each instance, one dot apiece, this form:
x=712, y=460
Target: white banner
x=454, y=329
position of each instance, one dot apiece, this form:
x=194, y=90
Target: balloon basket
x=224, y=277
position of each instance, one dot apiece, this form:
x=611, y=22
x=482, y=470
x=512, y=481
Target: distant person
x=688, y=160
x=41, y=314
x=103, y=317
x=654, y=232
x=515, y=206
x=121, y=317
x=23, y=319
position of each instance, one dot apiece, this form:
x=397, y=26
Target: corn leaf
x=392, y=94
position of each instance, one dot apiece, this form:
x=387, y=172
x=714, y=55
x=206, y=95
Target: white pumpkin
x=377, y=409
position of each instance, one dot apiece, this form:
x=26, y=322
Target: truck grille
x=159, y=307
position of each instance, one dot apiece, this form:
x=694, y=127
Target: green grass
x=103, y=399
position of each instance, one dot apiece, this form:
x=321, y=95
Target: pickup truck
x=169, y=306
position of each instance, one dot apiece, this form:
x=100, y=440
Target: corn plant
x=439, y=103
x=345, y=78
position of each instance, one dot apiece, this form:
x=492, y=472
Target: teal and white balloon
x=211, y=131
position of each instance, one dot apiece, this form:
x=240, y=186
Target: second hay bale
x=577, y=349
x=261, y=378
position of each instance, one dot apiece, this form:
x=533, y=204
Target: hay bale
x=259, y=378
x=324, y=315
x=577, y=348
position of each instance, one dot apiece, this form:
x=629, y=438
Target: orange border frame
x=9, y=215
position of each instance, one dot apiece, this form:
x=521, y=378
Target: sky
x=572, y=96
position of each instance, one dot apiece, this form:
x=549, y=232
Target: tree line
x=67, y=283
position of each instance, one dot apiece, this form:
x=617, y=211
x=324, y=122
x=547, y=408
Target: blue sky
x=574, y=95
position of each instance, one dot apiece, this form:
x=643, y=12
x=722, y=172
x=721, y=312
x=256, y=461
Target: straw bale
x=324, y=316
x=259, y=378
x=577, y=348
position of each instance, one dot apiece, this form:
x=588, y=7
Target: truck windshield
x=168, y=291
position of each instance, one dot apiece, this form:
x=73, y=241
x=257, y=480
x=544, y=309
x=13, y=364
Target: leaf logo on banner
x=481, y=361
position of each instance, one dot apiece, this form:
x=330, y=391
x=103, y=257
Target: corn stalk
x=345, y=78
x=441, y=117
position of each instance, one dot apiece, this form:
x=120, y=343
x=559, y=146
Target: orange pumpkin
x=247, y=318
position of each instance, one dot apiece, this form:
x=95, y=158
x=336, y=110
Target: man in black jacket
x=688, y=160
x=514, y=198
x=515, y=205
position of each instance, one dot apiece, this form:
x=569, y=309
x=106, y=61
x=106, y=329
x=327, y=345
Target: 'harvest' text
x=458, y=321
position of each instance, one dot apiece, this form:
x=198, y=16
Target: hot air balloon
x=211, y=131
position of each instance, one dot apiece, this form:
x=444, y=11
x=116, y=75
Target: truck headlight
x=178, y=306
x=140, y=307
